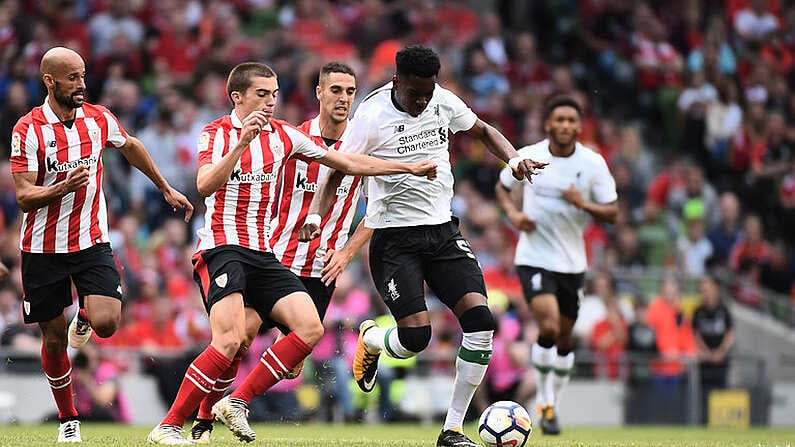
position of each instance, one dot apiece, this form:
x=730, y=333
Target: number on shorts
x=463, y=245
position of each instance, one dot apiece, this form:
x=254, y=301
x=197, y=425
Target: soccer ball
x=504, y=423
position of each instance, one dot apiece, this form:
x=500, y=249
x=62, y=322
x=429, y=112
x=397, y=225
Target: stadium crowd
x=689, y=101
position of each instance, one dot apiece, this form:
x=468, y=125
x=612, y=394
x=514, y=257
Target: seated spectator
x=98, y=393
x=777, y=272
x=755, y=23
x=751, y=247
x=641, y=343
x=693, y=247
x=725, y=234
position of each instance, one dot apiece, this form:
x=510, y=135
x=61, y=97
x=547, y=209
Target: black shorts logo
x=391, y=287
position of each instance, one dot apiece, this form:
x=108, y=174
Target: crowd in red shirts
x=690, y=102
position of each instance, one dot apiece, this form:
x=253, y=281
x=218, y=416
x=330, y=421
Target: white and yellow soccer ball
x=504, y=423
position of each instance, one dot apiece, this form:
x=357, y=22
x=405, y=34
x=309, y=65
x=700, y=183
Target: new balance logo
x=52, y=143
x=400, y=128
x=392, y=289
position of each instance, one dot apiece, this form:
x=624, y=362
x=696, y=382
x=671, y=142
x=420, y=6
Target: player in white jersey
x=415, y=237
x=56, y=162
x=550, y=255
x=241, y=162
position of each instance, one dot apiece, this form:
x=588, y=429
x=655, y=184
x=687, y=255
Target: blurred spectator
x=755, y=23
x=641, y=342
x=726, y=232
x=724, y=119
x=694, y=248
x=694, y=187
x=714, y=335
x=769, y=163
x=15, y=105
x=777, y=272
x=787, y=197
x=99, y=396
x=608, y=337
x=751, y=246
x=117, y=19
x=673, y=330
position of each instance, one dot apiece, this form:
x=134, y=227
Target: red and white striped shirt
x=239, y=213
x=41, y=143
x=301, y=180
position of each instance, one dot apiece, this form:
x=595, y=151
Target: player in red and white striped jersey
x=241, y=163
x=56, y=161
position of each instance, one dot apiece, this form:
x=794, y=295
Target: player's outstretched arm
x=603, y=212
x=518, y=219
x=357, y=164
x=32, y=197
x=212, y=176
x=135, y=152
x=320, y=205
x=336, y=261
x=498, y=145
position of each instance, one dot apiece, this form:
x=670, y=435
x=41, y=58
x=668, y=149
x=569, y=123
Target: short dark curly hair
x=418, y=60
x=561, y=101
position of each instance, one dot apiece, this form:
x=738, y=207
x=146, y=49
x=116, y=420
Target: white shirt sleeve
x=463, y=117
x=603, y=189
x=361, y=137
x=116, y=134
x=304, y=145
x=507, y=179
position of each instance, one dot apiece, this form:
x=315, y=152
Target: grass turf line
x=404, y=435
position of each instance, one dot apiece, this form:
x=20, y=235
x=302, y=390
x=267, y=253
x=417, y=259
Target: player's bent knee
x=414, y=339
x=105, y=327
x=310, y=333
x=55, y=345
x=549, y=328
x=477, y=319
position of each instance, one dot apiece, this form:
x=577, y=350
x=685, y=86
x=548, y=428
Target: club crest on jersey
x=277, y=148
x=16, y=145
x=204, y=141
x=222, y=280
x=93, y=135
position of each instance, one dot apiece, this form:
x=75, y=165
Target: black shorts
x=401, y=258
x=320, y=294
x=567, y=287
x=258, y=276
x=47, y=280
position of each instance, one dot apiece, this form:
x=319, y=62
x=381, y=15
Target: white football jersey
x=381, y=130
x=557, y=243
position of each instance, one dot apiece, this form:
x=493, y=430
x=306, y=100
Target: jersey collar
x=50, y=115
x=238, y=124
x=314, y=128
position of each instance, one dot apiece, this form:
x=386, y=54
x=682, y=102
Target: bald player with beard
x=56, y=162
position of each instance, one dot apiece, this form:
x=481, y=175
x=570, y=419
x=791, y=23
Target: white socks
x=542, y=359
x=561, y=374
x=386, y=340
x=470, y=367
x=552, y=373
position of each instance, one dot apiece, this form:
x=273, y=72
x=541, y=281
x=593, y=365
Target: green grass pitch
x=394, y=435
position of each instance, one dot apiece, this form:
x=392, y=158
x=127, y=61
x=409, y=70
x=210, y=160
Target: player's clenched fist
x=252, y=125
x=426, y=168
x=77, y=178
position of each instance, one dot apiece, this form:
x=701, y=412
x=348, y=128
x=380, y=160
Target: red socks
x=221, y=385
x=200, y=379
x=58, y=370
x=275, y=362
